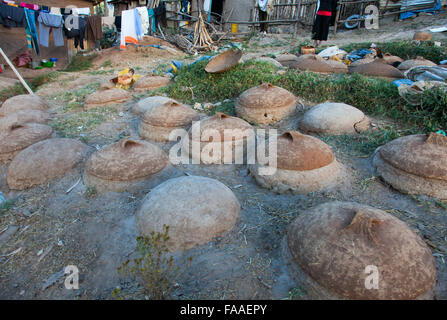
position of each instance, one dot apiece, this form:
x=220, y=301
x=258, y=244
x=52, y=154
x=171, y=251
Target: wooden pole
x=16, y=72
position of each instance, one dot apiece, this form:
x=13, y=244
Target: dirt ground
x=49, y=228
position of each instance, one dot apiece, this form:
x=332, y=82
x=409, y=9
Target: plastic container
x=234, y=28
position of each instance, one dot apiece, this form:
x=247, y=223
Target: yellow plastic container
x=234, y=27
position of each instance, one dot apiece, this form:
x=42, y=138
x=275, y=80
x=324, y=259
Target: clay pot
x=16, y=137
x=103, y=98
x=378, y=68
x=304, y=164
x=151, y=82
x=224, y=61
x=22, y=102
x=215, y=135
x=336, y=247
x=286, y=59
x=312, y=62
x=419, y=61
x=365, y=60
x=124, y=166
x=265, y=104
x=415, y=164
x=308, y=50
x=43, y=161
x=196, y=209
x=334, y=119
x=23, y=116
x=158, y=123
x=148, y=103
x=422, y=36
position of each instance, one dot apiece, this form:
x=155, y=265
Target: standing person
x=323, y=17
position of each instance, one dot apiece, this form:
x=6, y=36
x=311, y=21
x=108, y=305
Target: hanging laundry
x=130, y=31
x=263, y=5
x=139, y=26
x=160, y=15
x=108, y=21
x=47, y=22
x=151, y=15
x=11, y=16
x=81, y=11
x=78, y=33
x=94, y=28
x=118, y=23
x=29, y=6
x=31, y=30
x=207, y=5
x=144, y=17
x=55, y=10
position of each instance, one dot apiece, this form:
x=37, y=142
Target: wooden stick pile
x=202, y=39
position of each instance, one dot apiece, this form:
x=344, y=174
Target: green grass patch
x=6, y=206
x=374, y=96
x=81, y=63
x=76, y=124
x=364, y=144
x=405, y=49
x=34, y=84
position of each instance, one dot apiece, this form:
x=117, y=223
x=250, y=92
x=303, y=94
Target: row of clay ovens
x=319, y=242
x=387, y=67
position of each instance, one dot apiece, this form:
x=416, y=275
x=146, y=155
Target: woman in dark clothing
x=323, y=18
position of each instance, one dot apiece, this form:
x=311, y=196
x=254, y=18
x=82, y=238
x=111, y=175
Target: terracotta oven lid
x=170, y=114
x=126, y=160
x=334, y=242
x=378, y=68
x=419, y=61
x=224, y=61
x=266, y=96
x=286, y=58
x=151, y=82
x=313, y=63
x=19, y=136
x=301, y=152
x=421, y=155
x=23, y=102
x=222, y=122
x=107, y=96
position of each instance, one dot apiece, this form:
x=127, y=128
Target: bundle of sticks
x=202, y=39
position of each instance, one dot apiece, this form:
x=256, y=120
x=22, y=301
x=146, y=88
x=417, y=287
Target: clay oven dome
x=124, y=165
x=196, y=209
x=334, y=119
x=419, y=61
x=151, y=82
x=148, y=103
x=265, y=104
x=333, y=245
x=378, y=68
x=415, y=164
x=312, y=62
x=304, y=164
x=105, y=97
x=337, y=66
x=286, y=59
x=44, y=161
x=157, y=123
x=218, y=133
x=16, y=137
x=22, y=102
x=23, y=116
